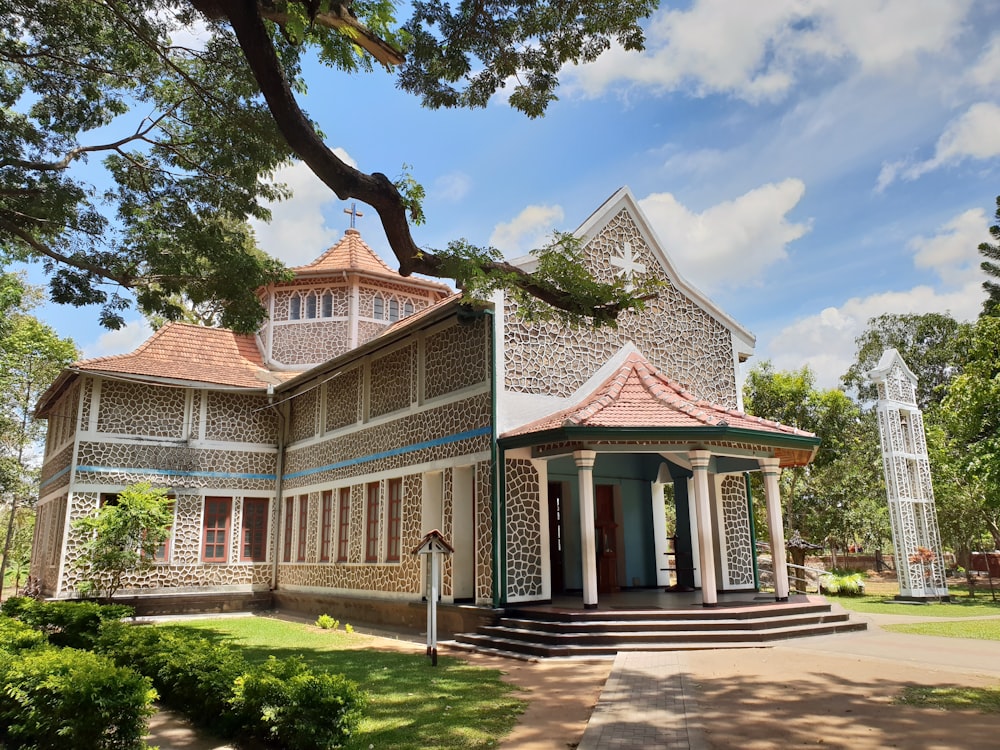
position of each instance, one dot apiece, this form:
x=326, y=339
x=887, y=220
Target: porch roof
x=637, y=402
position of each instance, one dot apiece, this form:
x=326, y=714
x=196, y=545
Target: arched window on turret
x=393, y=310
x=407, y=309
x=311, y=305
x=295, y=307
x=378, y=307
x=327, y=304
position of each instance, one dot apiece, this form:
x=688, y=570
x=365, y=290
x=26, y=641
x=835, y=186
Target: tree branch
x=374, y=189
x=69, y=260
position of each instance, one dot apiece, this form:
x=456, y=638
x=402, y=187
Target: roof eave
x=666, y=434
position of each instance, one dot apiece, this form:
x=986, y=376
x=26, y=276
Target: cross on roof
x=354, y=212
x=627, y=263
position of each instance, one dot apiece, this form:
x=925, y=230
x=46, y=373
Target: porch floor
x=658, y=599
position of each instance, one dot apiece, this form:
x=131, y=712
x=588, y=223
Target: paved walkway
x=649, y=700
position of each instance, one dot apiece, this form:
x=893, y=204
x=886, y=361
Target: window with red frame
x=394, y=519
x=216, y=528
x=371, y=523
x=254, y=546
x=326, y=526
x=162, y=553
x=300, y=555
x=286, y=553
x=344, y=524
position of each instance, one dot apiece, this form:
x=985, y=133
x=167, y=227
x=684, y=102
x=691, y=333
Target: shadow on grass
x=410, y=703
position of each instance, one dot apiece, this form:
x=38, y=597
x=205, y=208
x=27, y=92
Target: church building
x=306, y=462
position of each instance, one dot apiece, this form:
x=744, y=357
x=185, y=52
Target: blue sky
x=808, y=164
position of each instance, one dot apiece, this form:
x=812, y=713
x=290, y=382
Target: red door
x=606, y=531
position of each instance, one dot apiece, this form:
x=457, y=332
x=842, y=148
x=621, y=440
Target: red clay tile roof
x=638, y=395
x=353, y=254
x=181, y=351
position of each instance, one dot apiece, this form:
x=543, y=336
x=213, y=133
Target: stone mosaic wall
x=61, y=422
x=355, y=574
x=456, y=357
x=303, y=421
x=238, y=417
x=137, y=409
x=736, y=530
x=523, y=528
x=310, y=342
x=176, y=466
x=448, y=530
x=367, y=330
x=373, y=446
x=484, y=533
x=391, y=381
x=282, y=298
x=680, y=338
x=50, y=518
x=184, y=570
x=344, y=400
x=60, y=462
x=88, y=397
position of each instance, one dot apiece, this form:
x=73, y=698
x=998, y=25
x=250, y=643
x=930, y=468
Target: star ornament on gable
x=627, y=265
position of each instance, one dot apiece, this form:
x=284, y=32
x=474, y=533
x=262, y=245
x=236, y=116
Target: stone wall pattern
x=736, y=523
x=391, y=382
x=237, y=417
x=140, y=409
x=456, y=357
x=343, y=400
x=523, y=528
x=686, y=343
x=303, y=421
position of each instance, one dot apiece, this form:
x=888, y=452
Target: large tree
x=991, y=251
x=929, y=343
x=838, y=496
x=31, y=355
x=119, y=169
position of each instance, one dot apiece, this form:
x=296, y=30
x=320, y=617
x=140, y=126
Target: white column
x=772, y=470
x=656, y=506
x=588, y=545
x=703, y=511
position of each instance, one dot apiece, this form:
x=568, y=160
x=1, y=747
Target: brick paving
x=645, y=704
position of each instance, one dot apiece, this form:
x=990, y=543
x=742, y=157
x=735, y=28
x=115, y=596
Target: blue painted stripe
x=54, y=477
x=448, y=439
x=172, y=473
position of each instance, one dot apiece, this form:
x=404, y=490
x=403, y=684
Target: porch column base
x=781, y=598
x=709, y=604
x=590, y=606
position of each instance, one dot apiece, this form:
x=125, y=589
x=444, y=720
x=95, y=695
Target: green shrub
x=65, y=698
x=327, y=623
x=18, y=636
x=286, y=704
x=73, y=624
x=848, y=584
x=191, y=673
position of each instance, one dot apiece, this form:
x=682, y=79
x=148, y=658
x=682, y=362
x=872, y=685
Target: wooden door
x=606, y=531
x=556, y=562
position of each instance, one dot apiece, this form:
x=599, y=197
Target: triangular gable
x=624, y=201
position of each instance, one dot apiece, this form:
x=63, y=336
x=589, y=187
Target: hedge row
x=281, y=703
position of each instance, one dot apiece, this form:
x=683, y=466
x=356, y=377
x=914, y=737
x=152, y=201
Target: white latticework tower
x=915, y=535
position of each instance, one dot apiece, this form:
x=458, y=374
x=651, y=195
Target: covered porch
x=601, y=468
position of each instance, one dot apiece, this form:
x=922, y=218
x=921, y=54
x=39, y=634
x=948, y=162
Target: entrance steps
x=548, y=632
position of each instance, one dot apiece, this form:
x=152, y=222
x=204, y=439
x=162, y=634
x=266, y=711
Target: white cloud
x=297, y=233
x=825, y=341
x=975, y=135
x=451, y=187
x=757, y=51
x=526, y=231
x=731, y=243
x=124, y=340
x=986, y=72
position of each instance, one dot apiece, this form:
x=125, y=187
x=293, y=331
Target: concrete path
x=651, y=699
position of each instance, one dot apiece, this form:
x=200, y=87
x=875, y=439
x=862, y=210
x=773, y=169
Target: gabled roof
x=180, y=351
x=353, y=255
x=637, y=395
x=350, y=254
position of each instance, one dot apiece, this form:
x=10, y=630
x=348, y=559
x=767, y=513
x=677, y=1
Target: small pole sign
x=436, y=547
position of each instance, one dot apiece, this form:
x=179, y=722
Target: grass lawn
x=411, y=704
x=957, y=607
x=983, y=630
x=986, y=700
